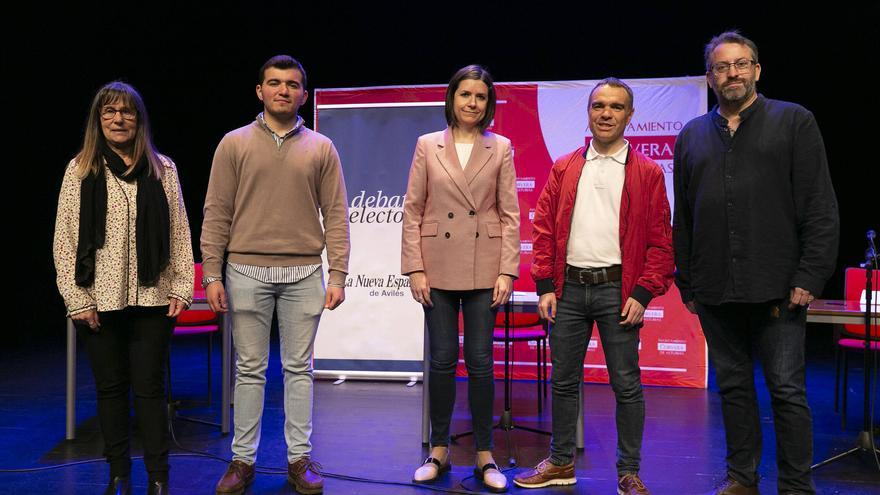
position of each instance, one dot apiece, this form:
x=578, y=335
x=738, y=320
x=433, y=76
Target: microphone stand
x=865, y=440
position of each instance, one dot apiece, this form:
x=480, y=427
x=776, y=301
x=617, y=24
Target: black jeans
x=577, y=310
x=129, y=352
x=479, y=324
x=777, y=336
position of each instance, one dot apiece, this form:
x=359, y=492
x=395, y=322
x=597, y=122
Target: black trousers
x=128, y=353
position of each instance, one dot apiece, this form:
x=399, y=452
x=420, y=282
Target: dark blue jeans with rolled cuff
x=479, y=324
x=577, y=310
x=735, y=333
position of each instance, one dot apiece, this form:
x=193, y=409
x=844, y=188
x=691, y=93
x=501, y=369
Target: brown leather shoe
x=631, y=484
x=305, y=476
x=238, y=476
x=732, y=487
x=546, y=474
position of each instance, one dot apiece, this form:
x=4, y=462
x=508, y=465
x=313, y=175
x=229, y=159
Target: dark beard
x=737, y=96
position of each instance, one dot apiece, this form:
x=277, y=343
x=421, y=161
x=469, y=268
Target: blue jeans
x=299, y=307
x=777, y=336
x=576, y=311
x=479, y=324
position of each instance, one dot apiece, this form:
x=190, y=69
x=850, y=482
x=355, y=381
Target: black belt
x=592, y=276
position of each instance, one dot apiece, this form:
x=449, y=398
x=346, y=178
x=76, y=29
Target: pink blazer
x=461, y=227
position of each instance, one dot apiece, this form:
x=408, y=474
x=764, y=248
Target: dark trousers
x=576, y=311
x=128, y=353
x=777, y=336
x=479, y=324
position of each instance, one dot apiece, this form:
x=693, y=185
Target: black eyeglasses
x=741, y=65
x=109, y=113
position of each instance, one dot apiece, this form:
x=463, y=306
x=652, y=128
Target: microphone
x=871, y=252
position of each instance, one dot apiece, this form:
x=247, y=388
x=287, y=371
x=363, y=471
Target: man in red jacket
x=603, y=250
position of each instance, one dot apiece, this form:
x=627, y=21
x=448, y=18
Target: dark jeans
x=576, y=311
x=777, y=336
x=479, y=324
x=129, y=352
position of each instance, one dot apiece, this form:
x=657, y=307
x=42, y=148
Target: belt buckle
x=596, y=277
x=587, y=276
x=581, y=276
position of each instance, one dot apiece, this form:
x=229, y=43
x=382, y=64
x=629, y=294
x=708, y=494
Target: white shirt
x=464, y=153
x=594, y=240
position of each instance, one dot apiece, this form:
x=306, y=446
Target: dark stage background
x=196, y=67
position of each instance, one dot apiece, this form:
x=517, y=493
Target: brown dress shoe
x=305, y=476
x=238, y=476
x=546, y=474
x=732, y=487
x=631, y=484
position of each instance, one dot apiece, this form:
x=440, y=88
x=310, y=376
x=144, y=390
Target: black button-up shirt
x=755, y=211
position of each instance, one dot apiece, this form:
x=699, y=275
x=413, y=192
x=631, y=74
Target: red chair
x=851, y=337
x=527, y=327
x=196, y=322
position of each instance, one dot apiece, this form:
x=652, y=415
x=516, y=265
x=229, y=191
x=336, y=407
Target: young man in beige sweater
x=269, y=182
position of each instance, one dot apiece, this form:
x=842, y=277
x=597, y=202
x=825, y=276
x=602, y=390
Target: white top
x=594, y=241
x=464, y=153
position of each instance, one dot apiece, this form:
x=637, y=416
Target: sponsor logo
x=531, y=213
x=654, y=314
x=672, y=347
x=525, y=184
x=593, y=345
x=390, y=286
x=525, y=246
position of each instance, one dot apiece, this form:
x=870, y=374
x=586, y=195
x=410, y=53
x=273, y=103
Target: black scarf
x=153, y=228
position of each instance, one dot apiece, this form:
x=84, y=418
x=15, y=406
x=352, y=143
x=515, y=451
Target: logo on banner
x=390, y=286
x=376, y=208
x=654, y=314
x=672, y=347
x=526, y=184
x=525, y=246
x=654, y=126
x=657, y=148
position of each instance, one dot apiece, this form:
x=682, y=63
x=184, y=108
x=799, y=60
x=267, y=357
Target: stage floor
x=373, y=430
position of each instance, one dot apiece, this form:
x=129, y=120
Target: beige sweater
x=116, y=279
x=264, y=203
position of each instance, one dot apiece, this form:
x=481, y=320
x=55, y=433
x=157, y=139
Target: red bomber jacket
x=645, y=230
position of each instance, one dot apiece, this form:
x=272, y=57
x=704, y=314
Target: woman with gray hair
x=124, y=261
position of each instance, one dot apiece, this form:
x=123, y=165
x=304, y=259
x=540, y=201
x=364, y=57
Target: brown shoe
x=305, y=476
x=732, y=487
x=238, y=476
x=546, y=474
x=631, y=484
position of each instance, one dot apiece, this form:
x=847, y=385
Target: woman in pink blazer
x=460, y=249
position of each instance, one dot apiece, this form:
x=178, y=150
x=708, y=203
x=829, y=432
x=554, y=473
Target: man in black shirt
x=755, y=232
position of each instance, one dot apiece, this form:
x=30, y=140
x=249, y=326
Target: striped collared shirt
x=279, y=140
x=276, y=274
